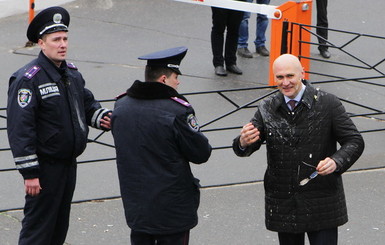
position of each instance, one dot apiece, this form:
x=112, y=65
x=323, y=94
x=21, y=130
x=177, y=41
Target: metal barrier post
x=31, y=16
x=285, y=31
x=297, y=12
x=31, y=10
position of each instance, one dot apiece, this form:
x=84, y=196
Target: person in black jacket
x=156, y=135
x=48, y=114
x=301, y=126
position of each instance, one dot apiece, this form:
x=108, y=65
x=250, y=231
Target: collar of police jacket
x=152, y=91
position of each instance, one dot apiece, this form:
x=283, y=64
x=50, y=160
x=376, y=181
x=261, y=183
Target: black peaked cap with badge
x=168, y=58
x=47, y=21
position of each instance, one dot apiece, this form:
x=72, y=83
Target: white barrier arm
x=271, y=11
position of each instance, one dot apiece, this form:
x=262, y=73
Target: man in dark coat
x=156, y=135
x=48, y=113
x=303, y=185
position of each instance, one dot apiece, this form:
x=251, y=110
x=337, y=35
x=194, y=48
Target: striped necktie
x=292, y=104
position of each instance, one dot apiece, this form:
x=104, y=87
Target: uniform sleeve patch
x=24, y=97
x=180, y=101
x=32, y=72
x=193, y=122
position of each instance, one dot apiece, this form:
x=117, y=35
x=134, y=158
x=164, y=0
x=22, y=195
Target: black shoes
x=220, y=71
x=325, y=53
x=234, y=69
x=244, y=52
x=262, y=50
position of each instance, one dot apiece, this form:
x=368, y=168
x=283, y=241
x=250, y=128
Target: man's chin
x=287, y=93
x=61, y=59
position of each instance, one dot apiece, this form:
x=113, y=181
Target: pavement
x=14, y=7
x=107, y=36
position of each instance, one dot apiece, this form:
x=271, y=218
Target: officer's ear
x=162, y=79
x=41, y=42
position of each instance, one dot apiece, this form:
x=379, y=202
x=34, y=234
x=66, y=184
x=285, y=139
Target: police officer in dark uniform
x=49, y=110
x=156, y=135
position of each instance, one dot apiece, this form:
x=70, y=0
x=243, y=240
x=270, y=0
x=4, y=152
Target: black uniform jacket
x=156, y=136
x=309, y=134
x=47, y=114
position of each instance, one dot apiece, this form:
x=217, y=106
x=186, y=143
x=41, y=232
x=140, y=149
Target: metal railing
x=207, y=127
x=237, y=107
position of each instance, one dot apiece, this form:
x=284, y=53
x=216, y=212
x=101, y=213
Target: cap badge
x=172, y=66
x=57, y=18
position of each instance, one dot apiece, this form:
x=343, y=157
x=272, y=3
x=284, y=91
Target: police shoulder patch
x=193, y=122
x=31, y=72
x=72, y=66
x=181, y=101
x=24, y=96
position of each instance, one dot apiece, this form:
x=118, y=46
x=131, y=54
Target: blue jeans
x=262, y=23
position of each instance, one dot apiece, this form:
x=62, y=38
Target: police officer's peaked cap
x=49, y=20
x=169, y=58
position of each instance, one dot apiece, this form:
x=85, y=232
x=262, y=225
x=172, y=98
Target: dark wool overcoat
x=308, y=135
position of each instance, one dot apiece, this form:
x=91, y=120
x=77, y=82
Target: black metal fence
x=359, y=64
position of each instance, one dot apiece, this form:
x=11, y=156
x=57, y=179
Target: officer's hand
x=105, y=122
x=326, y=166
x=32, y=187
x=249, y=135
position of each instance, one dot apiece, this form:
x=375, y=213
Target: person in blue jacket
x=48, y=113
x=156, y=135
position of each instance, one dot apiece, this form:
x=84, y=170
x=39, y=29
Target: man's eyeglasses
x=312, y=176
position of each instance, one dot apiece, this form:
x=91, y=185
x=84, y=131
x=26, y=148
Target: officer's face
x=172, y=80
x=54, y=46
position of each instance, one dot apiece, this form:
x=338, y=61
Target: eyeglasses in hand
x=312, y=176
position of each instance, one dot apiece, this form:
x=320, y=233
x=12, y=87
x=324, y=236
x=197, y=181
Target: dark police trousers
x=46, y=216
x=140, y=238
